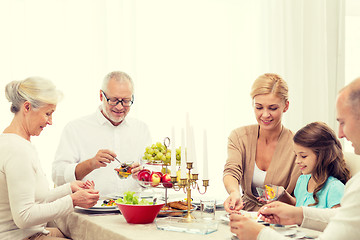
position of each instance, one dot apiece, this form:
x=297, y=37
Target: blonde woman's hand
x=233, y=202
x=85, y=198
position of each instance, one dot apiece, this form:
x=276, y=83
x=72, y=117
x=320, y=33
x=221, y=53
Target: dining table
x=83, y=224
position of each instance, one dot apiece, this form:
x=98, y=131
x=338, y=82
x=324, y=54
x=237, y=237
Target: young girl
x=321, y=161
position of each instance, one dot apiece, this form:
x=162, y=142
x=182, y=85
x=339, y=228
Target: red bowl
x=139, y=214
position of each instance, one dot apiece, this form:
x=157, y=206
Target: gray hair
x=354, y=101
x=36, y=90
x=117, y=76
x=353, y=97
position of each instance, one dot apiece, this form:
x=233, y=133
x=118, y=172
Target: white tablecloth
x=81, y=225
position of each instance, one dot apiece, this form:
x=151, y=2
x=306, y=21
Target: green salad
x=130, y=199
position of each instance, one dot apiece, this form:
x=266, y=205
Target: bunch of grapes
x=158, y=153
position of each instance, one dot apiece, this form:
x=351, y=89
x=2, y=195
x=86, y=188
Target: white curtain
x=306, y=43
x=198, y=57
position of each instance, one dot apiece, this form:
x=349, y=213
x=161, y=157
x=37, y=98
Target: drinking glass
x=207, y=208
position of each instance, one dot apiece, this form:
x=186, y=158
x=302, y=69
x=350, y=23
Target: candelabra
x=187, y=184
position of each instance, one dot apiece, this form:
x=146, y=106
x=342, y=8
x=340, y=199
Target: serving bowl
x=139, y=214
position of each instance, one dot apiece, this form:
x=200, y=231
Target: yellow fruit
x=178, y=174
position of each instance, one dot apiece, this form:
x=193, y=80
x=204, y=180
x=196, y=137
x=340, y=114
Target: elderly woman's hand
x=233, y=202
x=85, y=198
x=244, y=228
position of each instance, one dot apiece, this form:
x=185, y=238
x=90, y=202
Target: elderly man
x=341, y=223
x=89, y=145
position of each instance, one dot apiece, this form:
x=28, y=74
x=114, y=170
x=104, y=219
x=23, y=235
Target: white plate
x=225, y=218
x=286, y=231
x=98, y=208
x=299, y=234
x=112, y=209
x=99, y=203
x=251, y=215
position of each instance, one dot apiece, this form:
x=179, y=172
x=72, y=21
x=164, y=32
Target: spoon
x=117, y=159
x=121, y=162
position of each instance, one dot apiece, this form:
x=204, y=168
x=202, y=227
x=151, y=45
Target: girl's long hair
x=321, y=139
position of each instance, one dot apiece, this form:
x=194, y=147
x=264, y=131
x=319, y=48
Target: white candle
x=173, y=153
x=183, y=155
x=188, y=140
x=193, y=151
x=205, y=156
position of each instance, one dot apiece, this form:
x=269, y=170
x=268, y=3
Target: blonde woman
x=261, y=154
x=26, y=202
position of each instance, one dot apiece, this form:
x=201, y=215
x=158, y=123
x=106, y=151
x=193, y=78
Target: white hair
x=118, y=76
x=36, y=90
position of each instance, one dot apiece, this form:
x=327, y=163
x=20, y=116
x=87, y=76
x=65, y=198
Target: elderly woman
x=26, y=202
x=261, y=154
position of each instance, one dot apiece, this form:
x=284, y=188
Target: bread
x=176, y=208
x=178, y=205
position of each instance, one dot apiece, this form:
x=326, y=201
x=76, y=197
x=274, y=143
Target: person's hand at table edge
x=281, y=213
x=85, y=198
x=244, y=227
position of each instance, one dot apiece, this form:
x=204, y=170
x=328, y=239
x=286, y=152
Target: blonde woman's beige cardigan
x=282, y=170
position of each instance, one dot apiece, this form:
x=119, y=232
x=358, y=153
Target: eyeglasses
x=116, y=101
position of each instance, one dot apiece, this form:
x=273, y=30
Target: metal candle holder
x=187, y=184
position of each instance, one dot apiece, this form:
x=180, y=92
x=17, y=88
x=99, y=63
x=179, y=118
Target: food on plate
x=175, y=208
x=130, y=199
x=159, y=153
x=124, y=170
x=178, y=205
x=251, y=215
x=108, y=203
